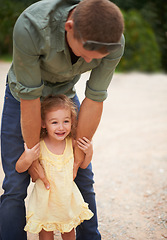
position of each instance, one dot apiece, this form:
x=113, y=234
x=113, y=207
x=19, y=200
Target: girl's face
x=58, y=124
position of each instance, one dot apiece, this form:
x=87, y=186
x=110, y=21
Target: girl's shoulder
x=41, y=142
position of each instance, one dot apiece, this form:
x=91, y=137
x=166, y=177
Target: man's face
x=78, y=49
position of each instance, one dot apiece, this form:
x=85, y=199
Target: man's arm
x=86, y=146
x=88, y=121
x=31, y=127
x=31, y=121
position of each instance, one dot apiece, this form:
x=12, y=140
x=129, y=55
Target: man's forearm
x=31, y=127
x=88, y=121
x=31, y=121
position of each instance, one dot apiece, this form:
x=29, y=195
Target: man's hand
x=36, y=171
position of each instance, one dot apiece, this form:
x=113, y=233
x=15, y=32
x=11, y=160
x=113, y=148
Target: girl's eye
x=54, y=122
x=67, y=121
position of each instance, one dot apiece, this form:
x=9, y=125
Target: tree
x=10, y=11
x=142, y=51
x=155, y=13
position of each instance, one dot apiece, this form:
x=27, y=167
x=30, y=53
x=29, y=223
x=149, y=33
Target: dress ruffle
x=36, y=227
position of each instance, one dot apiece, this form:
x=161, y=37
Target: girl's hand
x=33, y=153
x=27, y=158
x=36, y=170
x=85, y=145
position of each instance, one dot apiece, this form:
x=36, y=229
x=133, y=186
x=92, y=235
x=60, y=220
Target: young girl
x=62, y=206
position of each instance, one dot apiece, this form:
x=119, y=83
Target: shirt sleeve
x=26, y=58
x=100, y=78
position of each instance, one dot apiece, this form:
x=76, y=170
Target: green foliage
x=128, y=4
x=155, y=13
x=6, y=57
x=141, y=51
x=10, y=11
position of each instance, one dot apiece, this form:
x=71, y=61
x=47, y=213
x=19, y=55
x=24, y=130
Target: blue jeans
x=12, y=206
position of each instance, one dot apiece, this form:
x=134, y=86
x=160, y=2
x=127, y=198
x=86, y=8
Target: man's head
x=97, y=25
x=98, y=20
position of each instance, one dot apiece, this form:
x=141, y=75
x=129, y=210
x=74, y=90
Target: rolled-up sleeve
x=26, y=59
x=100, y=77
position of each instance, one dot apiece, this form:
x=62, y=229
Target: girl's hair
x=59, y=102
x=98, y=20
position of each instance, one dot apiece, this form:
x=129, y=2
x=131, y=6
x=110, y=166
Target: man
x=53, y=43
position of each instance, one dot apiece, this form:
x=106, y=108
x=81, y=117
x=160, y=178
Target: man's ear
x=69, y=25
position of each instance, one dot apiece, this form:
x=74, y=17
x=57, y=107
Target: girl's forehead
x=57, y=108
x=58, y=112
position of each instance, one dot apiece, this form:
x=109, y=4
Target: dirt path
x=130, y=157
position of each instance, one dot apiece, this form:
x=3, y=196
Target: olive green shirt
x=41, y=58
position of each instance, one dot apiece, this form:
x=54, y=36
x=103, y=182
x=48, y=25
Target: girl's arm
x=27, y=158
x=86, y=146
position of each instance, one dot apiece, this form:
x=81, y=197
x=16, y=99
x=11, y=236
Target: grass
x=6, y=58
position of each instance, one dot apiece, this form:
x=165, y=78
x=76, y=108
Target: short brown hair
x=98, y=20
x=59, y=102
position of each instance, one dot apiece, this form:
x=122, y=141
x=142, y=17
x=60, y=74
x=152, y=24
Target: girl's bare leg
x=69, y=235
x=44, y=235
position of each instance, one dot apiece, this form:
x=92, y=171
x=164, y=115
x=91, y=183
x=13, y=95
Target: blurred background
x=130, y=152
x=145, y=33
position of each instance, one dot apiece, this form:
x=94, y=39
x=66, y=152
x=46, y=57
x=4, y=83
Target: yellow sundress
x=62, y=207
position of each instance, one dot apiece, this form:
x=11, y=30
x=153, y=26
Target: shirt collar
x=60, y=40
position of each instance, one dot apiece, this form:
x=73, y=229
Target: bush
x=155, y=12
x=141, y=51
x=10, y=11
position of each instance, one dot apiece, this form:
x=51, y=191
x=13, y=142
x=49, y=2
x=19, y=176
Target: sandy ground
x=130, y=157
